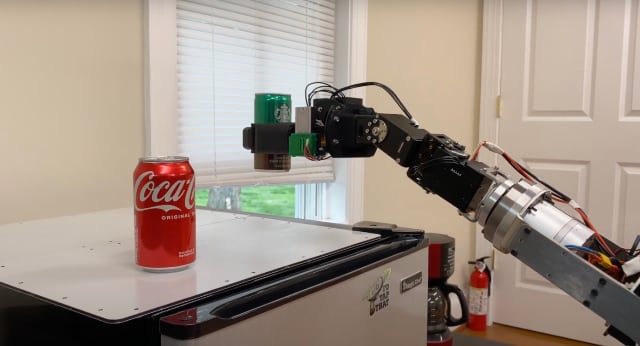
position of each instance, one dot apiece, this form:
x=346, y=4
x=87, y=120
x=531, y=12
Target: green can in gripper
x=270, y=109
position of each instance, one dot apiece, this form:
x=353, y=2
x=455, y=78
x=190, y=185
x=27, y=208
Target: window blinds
x=227, y=52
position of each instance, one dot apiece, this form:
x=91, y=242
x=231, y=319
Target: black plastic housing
x=459, y=183
x=403, y=141
x=340, y=125
x=267, y=138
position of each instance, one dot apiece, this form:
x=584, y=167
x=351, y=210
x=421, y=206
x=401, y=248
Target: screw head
x=186, y=318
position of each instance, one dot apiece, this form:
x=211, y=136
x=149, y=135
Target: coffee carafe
x=441, y=266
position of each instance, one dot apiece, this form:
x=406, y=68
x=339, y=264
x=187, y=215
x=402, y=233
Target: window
x=207, y=59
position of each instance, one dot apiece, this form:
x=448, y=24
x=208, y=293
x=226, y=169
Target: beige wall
x=71, y=105
x=428, y=52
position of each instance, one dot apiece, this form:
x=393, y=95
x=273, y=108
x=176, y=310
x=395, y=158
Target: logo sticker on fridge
x=378, y=293
x=410, y=282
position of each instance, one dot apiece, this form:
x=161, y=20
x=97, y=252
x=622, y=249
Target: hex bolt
x=336, y=119
x=407, y=139
x=186, y=318
x=335, y=141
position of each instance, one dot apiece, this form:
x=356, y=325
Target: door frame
x=490, y=75
x=490, y=69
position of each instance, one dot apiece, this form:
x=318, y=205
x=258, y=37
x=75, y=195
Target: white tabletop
x=86, y=262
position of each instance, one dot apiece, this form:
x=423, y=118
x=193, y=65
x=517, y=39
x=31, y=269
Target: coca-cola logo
x=163, y=194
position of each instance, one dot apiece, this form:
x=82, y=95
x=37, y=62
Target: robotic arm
x=518, y=217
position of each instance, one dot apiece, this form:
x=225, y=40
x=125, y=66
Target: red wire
x=309, y=156
x=474, y=156
x=582, y=214
x=517, y=167
x=587, y=222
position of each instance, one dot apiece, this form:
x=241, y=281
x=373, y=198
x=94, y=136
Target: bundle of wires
x=609, y=259
x=605, y=262
x=335, y=93
x=313, y=89
x=310, y=156
x=310, y=94
x=320, y=87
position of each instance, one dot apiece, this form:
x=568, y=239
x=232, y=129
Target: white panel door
x=570, y=91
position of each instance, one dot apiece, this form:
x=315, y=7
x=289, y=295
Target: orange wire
x=474, y=156
x=518, y=168
x=583, y=215
x=587, y=222
x=309, y=156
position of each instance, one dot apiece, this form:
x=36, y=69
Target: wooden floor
x=517, y=336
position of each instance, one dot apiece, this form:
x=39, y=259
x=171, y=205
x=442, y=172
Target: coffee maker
x=441, y=266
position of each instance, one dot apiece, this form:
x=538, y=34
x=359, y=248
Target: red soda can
x=164, y=211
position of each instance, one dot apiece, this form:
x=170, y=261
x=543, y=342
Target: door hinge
x=499, y=106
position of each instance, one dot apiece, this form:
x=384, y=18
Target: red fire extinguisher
x=479, y=295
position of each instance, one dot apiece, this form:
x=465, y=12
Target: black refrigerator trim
x=226, y=310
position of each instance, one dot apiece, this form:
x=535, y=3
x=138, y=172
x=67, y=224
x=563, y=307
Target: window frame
x=345, y=196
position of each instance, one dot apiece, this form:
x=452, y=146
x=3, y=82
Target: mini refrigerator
x=257, y=280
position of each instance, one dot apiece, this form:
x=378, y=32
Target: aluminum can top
x=163, y=159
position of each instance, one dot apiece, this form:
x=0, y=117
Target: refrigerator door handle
x=274, y=293
x=252, y=302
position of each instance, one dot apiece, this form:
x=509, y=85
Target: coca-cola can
x=164, y=211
